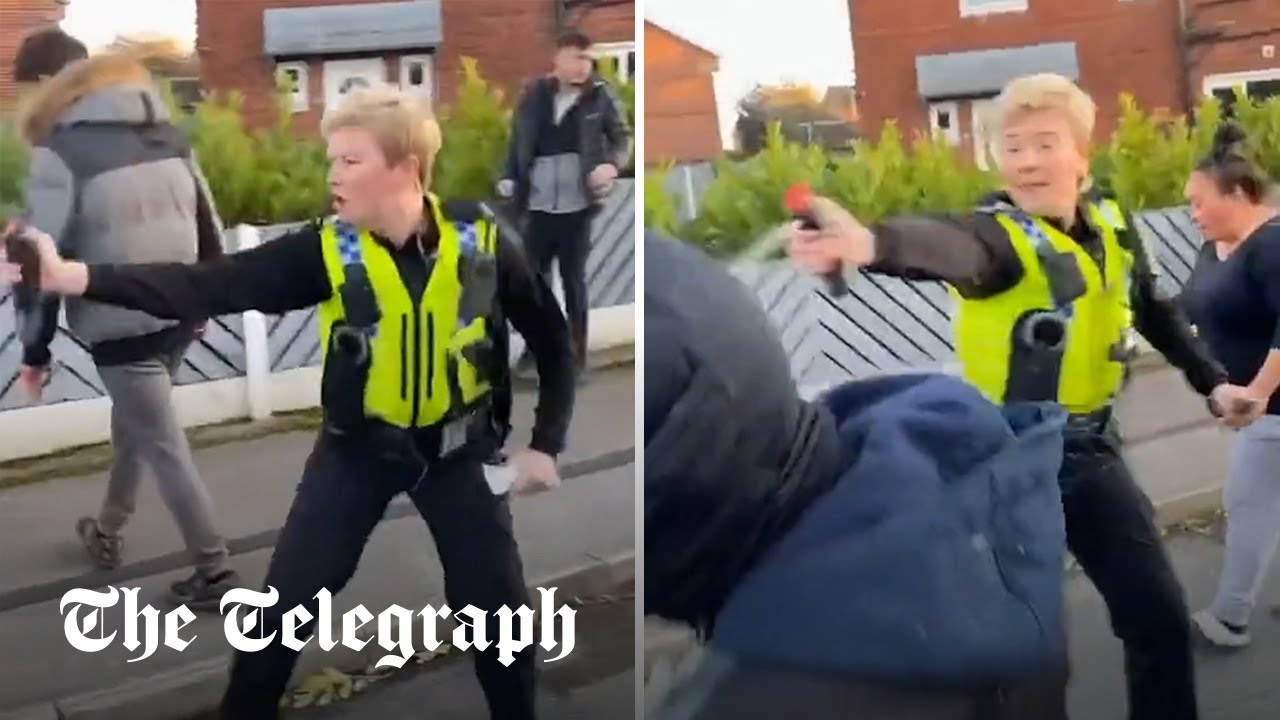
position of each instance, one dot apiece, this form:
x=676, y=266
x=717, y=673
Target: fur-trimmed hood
x=113, y=87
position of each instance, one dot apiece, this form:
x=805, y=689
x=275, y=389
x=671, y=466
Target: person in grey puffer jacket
x=114, y=181
x=569, y=141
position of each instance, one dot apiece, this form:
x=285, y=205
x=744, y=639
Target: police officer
x=413, y=296
x=1051, y=280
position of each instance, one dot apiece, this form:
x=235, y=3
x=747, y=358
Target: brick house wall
x=1240, y=38
x=1120, y=45
x=512, y=41
x=681, y=117
x=19, y=18
x=610, y=23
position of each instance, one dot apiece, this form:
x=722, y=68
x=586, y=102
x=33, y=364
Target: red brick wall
x=512, y=40
x=1122, y=46
x=614, y=23
x=1259, y=19
x=681, y=120
x=18, y=18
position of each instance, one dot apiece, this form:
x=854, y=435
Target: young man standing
x=111, y=179
x=569, y=140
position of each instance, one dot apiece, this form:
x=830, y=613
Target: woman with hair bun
x=1233, y=298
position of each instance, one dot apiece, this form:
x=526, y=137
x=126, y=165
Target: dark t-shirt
x=1235, y=304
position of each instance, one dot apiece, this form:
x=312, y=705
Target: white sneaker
x=1215, y=632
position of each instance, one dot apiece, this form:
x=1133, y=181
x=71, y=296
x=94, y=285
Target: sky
x=97, y=22
x=806, y=41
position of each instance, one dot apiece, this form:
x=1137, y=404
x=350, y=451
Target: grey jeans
x=145, y=433
x=1252, y=501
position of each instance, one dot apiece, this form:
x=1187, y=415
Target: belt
x=419, y=446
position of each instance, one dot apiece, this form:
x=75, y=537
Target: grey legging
x=1252, y=500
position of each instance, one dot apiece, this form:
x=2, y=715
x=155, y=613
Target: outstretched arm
x=280, y=275
x=972, y=253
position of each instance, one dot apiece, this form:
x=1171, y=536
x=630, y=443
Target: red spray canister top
x=798, y=201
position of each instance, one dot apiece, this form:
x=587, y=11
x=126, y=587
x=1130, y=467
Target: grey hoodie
x=115, y=182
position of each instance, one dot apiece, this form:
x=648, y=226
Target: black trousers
x=342, y=496
x=1112, y=533
x=565, y=238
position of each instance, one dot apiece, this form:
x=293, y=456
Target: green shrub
x=745, y=200
x=258, y=176
x=660, y=209
x=888, y=177
x=13, y=169
x=1149, y=158
x=475, y=129
x=1145, y=163
x=1261, y=121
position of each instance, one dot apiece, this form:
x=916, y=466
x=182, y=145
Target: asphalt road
x=1239, y=685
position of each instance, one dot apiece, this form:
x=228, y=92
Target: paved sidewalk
x=588, y=520
x=1242, y=685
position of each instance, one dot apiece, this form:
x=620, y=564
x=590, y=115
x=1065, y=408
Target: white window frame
x=428, y=86
x=975, y=8
x=335, y=69
x=301, y=98
x=952, y=134
x=1227, y=81
x=984, y=125
x=618, y=51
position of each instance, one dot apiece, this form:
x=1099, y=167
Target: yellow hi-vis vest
x=1098, y=322
x=418, y=374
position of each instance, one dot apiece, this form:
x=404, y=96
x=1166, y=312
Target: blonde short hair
x=1048, y=91
x=402, y=125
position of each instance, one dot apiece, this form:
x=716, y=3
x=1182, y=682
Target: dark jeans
x=342, y=496
x=565, y=238
x=1111, y=531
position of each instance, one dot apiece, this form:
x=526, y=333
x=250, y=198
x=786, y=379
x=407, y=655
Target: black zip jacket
x=289, y=274
x=973, y=253
x=602, y=134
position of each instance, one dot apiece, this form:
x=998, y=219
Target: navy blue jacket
x=938, y=555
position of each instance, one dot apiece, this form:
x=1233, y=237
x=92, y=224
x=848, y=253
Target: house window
x=417, y=75
x=970, y=8
x=343, y=76
x=944, y=118
x=618, y=57
x=292, y=77
x=1257, y=85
